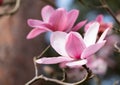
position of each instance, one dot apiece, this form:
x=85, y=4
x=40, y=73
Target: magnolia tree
x=79, y=55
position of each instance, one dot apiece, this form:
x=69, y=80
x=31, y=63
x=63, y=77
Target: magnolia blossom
x=54, y=20
x=103, y=25
x=73, y=49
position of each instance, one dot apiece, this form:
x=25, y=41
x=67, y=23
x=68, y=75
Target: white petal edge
x=103, y=35
x=78, y=63
x=91, y=34
x=57, y=41
x=53, y=60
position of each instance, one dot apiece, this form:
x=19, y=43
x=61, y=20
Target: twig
x=107, y=8
x=35, y=66
x=55, y=80
x=116, y=46
x=88, y=74
x=116, y=30
x=15, y=9
x=64, y=75
x=36, y=73
x=90, y=5
x=103, y=5
x=97, y=80
x=88, y=71
x=31, y=81
x=43, y=51
x=17, y=5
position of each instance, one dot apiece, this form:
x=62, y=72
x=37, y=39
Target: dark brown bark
x=16, y=52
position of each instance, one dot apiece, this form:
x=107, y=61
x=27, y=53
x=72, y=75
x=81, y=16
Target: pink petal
x=92, y=49
x=53, y=60
x=88, y=25
x=34, y=23
x=79, y=25
x=72, y=16
x=74, y=45
x=76, y=64
x=63, y=64
x=47, y=11
x=39, y=24
x=58, y=40
x=91, y=34
x=103, y=35
x=99, y=18
x=59, y=19
x=35, y=32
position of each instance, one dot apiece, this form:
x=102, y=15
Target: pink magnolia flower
x=74, y=49
x=54, y=20
x=103, y=25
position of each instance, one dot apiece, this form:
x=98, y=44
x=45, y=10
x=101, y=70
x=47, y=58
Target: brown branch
x=97, y=80
x=64, y=75
x=103, y=5
x=107, y=8
x=89, y=5
x=35, y=67
x=55, y=80
x=14, y=10
x=43, y=51
x=87, y=76
x=117, y=47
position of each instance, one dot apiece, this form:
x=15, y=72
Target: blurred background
x=16, y=52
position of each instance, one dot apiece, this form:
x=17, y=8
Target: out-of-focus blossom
x=98, y=65
x=109, y=48
x=99, y=62
x=74, y=49
x=54, y=20
x=75, y=74
x=103, y=25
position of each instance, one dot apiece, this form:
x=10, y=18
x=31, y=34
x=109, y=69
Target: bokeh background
x=16, y=52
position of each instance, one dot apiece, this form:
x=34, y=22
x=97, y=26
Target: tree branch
x=14, y=10
x=87, y=76
x=107, y=8
x=43, y=51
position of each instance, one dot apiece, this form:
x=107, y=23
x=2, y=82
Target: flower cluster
x=74, y=49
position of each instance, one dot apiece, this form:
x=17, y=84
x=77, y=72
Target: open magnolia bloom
x=74, y=49
x=54, y=20
x=103, y=25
